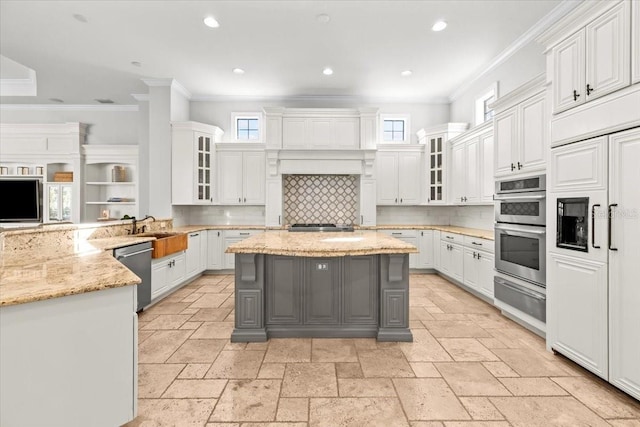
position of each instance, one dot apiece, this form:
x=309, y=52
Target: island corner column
x=249, y=295
x=394, y=298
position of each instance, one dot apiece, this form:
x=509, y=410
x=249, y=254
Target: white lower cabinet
x=230, y=237
x=425, y=246
x=579, y=332
x=196, y=253
x=452, y=256
x=214, y=249
x=167, y=273
x=408, y=236
x=435, y=247
x=479, y=263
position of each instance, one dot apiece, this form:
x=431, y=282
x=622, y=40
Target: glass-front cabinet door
x=204, y=171
x=435, y=159
x=59, y=198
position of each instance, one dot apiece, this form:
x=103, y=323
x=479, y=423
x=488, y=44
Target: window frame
x=248, y=115
x=479, y=113
x=406, y=118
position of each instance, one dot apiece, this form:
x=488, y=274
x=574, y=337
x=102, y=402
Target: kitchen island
x=316, y=284
x=68, y=331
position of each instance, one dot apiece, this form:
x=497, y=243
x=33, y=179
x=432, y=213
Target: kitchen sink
x=166, y=243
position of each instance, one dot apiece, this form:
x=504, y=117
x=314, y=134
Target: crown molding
x=531, y=34
x=19, y=87
x=526, y=90
x=140, y=97
x=71, y=107
x=320, y=98
x=169, y=82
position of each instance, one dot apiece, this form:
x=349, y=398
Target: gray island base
x=279, y=296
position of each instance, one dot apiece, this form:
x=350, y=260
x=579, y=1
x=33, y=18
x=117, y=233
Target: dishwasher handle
x=119, y=257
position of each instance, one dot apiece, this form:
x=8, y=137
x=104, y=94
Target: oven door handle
x=519, y=197
x=519, y=230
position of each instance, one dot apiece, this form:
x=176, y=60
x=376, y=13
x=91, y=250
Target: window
x=247, y=127
x=482, y=111
x=395, y=129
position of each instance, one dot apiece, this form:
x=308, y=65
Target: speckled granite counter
x=39, y=274
x=360, y=242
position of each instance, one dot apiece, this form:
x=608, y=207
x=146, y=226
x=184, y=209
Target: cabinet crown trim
x=485, y=127
x=321, y=112
x=115, y=153
x=578, y=18
x=443, y=128
x=523, y=92
x=198, y=127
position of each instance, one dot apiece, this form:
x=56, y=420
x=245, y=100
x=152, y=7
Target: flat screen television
x=20, y=200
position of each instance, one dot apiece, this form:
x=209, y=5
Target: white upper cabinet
x=436, y=159
x=398, y=176
x=192, y=162
x=521, y=128
x=241, y=177
x=471, y=171
x=321, y=128
x=593, y=60
x=321, y=132
x=635, y=42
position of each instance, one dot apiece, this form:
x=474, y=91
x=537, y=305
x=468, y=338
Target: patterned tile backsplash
x=320, y=199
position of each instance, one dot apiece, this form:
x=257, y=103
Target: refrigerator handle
x=593, y=226
x=611, y=206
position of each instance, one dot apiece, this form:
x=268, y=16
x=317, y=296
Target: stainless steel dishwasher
x=137, y=258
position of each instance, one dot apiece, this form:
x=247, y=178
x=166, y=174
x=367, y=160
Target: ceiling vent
x=104, y=101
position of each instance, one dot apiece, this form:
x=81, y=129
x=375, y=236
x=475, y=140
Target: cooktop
x=321, y=227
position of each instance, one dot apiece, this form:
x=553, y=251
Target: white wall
x=521, y=67
x=218, y=113
x=105, y=127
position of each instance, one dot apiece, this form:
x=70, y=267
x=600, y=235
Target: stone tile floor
x=468, y=366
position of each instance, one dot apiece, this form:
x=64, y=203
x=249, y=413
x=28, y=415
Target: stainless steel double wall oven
x=520, y=242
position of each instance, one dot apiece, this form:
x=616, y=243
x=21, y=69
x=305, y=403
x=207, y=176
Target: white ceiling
x=280, y=44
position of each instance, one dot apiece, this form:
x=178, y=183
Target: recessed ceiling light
x=136, y=63
x=58, y=100
x=238, y=71
x=406, y=73
x=80, y=18
x=323, y=18
x=211, y=22
x=327, y=71
x=439, y=26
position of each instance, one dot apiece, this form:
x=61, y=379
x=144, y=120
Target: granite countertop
x=28, y=276
x=472, y=232
x=318, y=244
x=40, y=274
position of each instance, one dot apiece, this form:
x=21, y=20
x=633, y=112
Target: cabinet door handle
x=218, y=234
x=396, y=200
x=361, y=219
x=519, y=165
x=465, y=198
x=512, y=167
x=593, y=226
x=396, y=234
x=478, y=256
x=244, y=234
x=589, y=89
x=476, y=243
x=239, y=199
x=279, y=223
x=400, y=200
x=245, y=200
x=576, y=95
x=422, y=233
x=474, y=255
x=449, y=237
x=611, y=206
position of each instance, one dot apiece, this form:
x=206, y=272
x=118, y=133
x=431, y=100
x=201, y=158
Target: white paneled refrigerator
x=593, y=257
